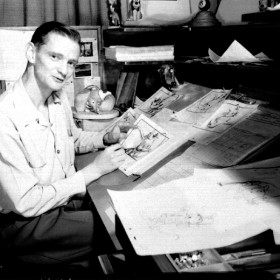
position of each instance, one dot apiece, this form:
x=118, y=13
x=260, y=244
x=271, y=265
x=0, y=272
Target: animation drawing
x=254, y=192
x=176, y=223
x=144, y=144
x=209, y=101
x=161, y=99
x=145, y=141
x=129, y=116
x=224, y=118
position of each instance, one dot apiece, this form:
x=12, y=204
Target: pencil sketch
x=209, y=101
x=229, y=113
x=146, y=143
x=161, y=99
x=254, y=192
x=267, y=117
x=225, y=118
x=129, y=116
x=176, y=222
x=200, y=110
x=143, y=140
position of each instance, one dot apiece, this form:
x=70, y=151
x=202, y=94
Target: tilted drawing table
x=118, y=181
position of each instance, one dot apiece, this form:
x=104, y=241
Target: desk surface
x=119, y=181
x=116, y=180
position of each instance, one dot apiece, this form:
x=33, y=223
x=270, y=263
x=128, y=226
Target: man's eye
x=54, y=57
x=72, y=64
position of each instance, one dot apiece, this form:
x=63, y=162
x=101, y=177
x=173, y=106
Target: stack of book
x=149, y=53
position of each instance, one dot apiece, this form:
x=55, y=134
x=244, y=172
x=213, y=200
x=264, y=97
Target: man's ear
x=30, y=52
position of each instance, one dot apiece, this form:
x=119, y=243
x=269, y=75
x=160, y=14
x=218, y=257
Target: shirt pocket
x=33, y=148
x=35, y=159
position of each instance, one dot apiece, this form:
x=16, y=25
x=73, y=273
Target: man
x=44, y=219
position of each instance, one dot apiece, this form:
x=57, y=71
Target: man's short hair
x=41, y=33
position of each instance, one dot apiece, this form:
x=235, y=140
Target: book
x=126, y=53
x=133, y=58
x=115, y=50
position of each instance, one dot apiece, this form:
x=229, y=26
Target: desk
x=118, y=181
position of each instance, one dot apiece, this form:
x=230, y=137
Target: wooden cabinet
x=190, y=43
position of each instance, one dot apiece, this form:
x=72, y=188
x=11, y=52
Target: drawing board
x=141, y=144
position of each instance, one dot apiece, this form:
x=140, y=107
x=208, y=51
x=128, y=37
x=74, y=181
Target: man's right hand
x=105, y=162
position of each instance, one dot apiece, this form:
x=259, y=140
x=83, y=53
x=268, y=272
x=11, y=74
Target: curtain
x=35, y=12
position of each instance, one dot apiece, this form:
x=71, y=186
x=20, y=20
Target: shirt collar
x=24, y=106
x=56, y=97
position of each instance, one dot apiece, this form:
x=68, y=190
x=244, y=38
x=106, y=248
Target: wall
x=230, y=11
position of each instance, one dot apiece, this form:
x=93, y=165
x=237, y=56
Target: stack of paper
x=149, y=53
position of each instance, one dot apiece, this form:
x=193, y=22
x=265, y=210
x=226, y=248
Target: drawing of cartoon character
x=225, y=117
x=149, y=142
x=254, y=192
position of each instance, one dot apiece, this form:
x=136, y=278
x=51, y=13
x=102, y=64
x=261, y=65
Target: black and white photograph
x=139, y=140
x=83, y=70
x=88, y=50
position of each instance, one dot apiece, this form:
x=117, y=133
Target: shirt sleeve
x=20, y=190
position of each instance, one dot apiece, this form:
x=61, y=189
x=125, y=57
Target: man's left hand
x=117, y=133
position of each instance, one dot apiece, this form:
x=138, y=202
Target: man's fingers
x=125, y=126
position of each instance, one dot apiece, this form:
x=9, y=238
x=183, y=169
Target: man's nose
x=63, y=68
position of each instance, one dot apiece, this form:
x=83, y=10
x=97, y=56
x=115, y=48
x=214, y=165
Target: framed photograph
x=83, y=70
x=89, y=51
x=154, y=13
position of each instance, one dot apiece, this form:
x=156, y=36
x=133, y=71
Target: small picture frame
x=89, y=51
x=83, y=70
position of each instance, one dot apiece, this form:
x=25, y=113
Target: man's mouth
x=60, y=80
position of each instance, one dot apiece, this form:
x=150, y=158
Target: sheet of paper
x=182, y=216
x=12, y=53
x=241, y=140
x=235, y=53
x=172, y=170
x=199, y=113
x=129, y=116
x=255, y=186
x=203, y=108
x=188, y=94
x=152, y=143
x=258, y=187
x=226, y=116
x=159, y=100
x=270, y=162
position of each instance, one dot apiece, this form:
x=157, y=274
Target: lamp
x=205, y=16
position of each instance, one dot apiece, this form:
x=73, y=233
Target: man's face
x=55, y=62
